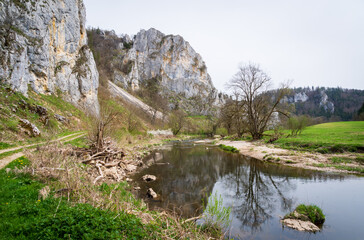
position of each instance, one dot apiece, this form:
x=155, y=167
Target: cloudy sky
x=312, y=42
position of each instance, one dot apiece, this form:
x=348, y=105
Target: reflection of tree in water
x=256, y=193
x=258, y=186
x=194, y=170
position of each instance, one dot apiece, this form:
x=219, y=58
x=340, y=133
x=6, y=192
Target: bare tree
x=251, y=85
x=177, y=121
x=101, y=125
x=232, y=116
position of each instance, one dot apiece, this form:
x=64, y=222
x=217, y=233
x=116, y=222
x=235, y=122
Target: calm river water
x=258, y=193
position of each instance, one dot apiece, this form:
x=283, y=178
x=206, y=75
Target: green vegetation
x=14, y=106
x=310, y=213
x=228, y=148
x=4, y=145
x=340, y=167
x=81, y=142
x=328, y=137
x=297, y=124
x=5, y=154
x=313, y=212
x=28, y=215
x=341, y=160
x=25, y=216
x=216, y=216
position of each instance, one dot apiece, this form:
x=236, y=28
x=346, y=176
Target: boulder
x=34, y=131
x=149, y=178
x=41, y=111
x=60, y=118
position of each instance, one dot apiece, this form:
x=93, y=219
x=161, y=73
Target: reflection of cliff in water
x=252, y=185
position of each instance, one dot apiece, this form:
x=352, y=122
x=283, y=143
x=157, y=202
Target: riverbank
x=51, y=186
x=338, y=162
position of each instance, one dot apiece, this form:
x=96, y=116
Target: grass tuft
x=313, y=212
x=228, y=148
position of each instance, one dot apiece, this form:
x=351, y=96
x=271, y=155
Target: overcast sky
x=312, y=42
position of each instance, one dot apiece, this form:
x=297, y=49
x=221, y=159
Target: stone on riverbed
x=149, y=178
x=300, y=225
x=151, y=193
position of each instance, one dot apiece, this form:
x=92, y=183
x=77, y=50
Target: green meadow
x=328, y=137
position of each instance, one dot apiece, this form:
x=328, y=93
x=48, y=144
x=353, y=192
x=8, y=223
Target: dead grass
x=55, y=165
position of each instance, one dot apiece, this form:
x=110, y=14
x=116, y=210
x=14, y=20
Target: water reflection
x=257, y=192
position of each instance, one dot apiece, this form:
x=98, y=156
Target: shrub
x=297, y=124
x=222, y=132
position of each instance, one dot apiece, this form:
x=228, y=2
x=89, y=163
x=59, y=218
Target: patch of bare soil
x=307, y=160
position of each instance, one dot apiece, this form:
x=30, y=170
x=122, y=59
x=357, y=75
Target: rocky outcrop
x=311, y=102
x=167, y=61
x=43, y=46
x=326, y=104
x=167, y=58
x=30, y=127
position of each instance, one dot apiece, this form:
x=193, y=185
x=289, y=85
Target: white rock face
x=170, y=60
x=300, y=97
x=326, y=104
x=43, y=45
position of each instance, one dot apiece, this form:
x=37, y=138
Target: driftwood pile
x=109, y=162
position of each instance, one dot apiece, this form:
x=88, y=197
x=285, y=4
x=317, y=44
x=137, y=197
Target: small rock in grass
x=34, y=131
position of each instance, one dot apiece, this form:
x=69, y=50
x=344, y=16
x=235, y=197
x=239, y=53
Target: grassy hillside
x=328, y=137
x=15, y=106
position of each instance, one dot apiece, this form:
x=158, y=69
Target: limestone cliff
x=169, y=58
x=170, y=62
x=43, y=46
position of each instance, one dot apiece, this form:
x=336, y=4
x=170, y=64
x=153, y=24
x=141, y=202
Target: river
x=258, y=193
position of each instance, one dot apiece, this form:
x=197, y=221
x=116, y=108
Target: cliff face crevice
x=43, y=46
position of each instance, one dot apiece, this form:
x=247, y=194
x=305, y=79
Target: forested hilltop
x=334, y=104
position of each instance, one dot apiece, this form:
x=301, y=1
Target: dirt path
x=5, y=161
x=269, y=153
x=40, y=143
